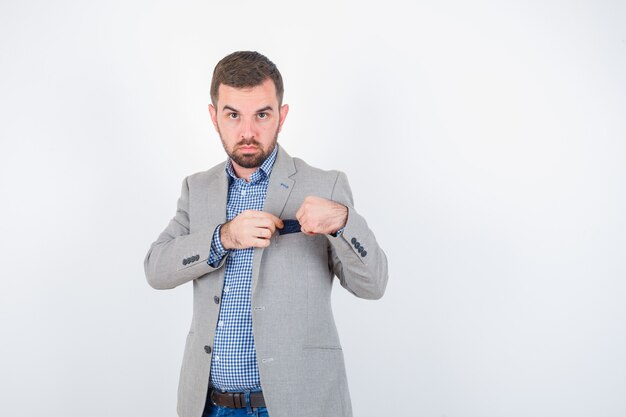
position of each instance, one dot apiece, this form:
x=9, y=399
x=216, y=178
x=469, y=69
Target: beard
x=249, y=160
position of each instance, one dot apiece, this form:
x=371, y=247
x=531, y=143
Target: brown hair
x=245, y=69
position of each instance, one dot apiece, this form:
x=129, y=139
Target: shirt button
x=207, y=349
x=216, y=299
x=243, y=192
x=220, y=323
x=226, y=289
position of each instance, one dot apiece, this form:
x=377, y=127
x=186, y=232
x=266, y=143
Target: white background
x=485, y=143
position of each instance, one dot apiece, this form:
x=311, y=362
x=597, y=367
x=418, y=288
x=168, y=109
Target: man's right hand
x=249, y=229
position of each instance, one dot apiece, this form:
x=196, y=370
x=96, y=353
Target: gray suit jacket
x=299, y=354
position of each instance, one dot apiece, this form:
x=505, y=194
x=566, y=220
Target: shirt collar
x=263, y=171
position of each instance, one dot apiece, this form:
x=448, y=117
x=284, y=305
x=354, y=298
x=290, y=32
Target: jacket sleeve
x=356, y=259
x=178, y=256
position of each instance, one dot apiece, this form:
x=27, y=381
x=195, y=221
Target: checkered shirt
x=233, y=364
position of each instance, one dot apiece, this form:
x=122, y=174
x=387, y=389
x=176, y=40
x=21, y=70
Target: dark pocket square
x=291, y=226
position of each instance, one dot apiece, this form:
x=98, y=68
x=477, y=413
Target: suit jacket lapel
x=280, y=185
x=217, y=196
x=278, y=191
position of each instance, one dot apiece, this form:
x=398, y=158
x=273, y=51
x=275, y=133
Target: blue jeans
x=216, y=411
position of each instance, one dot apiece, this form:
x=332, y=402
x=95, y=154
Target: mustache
x=248, y=142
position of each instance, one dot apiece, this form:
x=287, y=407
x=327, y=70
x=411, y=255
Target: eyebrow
x=264, y=109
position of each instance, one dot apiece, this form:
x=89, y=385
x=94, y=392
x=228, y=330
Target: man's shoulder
x=306, y=170
x=208, y=175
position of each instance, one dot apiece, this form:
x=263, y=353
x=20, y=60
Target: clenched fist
x=321, y=216
x=249, y=229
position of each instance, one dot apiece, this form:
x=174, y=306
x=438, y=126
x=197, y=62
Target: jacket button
x=185, y=261
x=360, y=249
x=216, y=299
x=357, y=245
x=363, y=254
x=353, y=240
x=197, y=257
x=207, y=349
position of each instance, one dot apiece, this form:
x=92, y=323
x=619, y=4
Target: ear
x=213, y=113
x=284, y=109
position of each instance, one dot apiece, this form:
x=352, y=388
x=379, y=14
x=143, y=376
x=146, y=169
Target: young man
x=261, y=236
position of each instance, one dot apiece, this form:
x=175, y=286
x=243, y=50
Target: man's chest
x=245, y=196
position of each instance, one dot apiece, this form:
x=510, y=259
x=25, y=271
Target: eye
x=262, y=115
x=233, y=116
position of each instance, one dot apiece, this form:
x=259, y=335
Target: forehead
x=242, y=98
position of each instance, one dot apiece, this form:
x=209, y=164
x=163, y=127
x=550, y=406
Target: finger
x=304, y=222
x=266, y=215
x=275, y=220
x=306, y=232
x=261, y=243
x=300, y=212
x=263, y=233
x=266, y=223
x=254, y=214
x=279, y=222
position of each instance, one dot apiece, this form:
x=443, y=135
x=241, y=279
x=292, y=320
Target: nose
x=247, y=129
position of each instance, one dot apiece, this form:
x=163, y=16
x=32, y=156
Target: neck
x=242, y=172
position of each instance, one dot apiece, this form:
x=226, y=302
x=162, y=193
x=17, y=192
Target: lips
x=247, y=148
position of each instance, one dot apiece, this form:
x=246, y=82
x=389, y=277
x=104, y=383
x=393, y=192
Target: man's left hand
x=321, y=216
